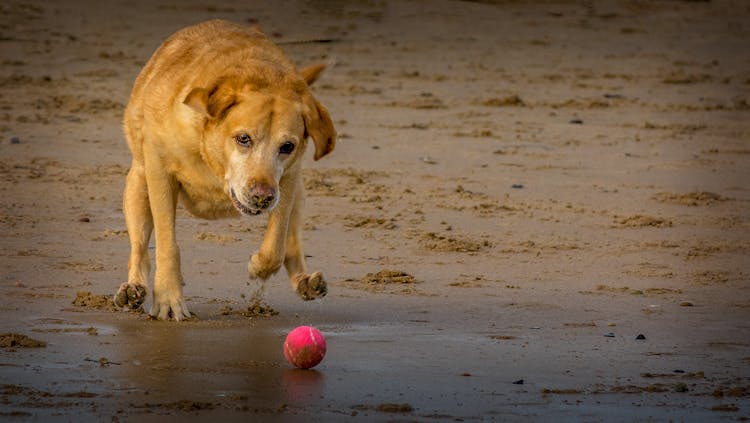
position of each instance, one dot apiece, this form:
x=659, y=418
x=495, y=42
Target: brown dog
x=218, y=118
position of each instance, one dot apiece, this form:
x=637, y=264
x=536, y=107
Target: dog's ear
x=319, y=126
x=214, y=102
x=311, y=73
x=197, y=100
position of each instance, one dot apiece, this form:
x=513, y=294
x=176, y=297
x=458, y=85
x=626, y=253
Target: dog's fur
x=211, y=121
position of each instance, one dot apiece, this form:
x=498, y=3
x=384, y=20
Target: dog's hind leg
x=139, y=222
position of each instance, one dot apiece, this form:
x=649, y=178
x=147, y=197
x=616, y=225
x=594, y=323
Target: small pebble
x=518, y=382
x=15, y=140
x=84, y=219
x=640, y=337
x=686, y=304
x=576, y=121
x=517, y=186
x=679, y=371
x=609, y=335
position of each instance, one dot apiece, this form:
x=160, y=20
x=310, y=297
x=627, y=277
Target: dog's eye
x=243, y=139
x=286, y=148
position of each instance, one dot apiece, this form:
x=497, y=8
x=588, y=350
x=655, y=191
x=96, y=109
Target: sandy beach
x=535, y=211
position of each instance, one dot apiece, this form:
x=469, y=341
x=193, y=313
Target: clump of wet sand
x=17, y=340
x=257, y=309
x=443, y=243
x=697, y=198
x=386, y=276
x=512, y=100
x=258, y=306
x=640, y=221
x=386, y=281
x=88, y=300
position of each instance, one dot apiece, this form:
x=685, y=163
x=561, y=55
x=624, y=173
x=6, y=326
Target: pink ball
x=305, y=347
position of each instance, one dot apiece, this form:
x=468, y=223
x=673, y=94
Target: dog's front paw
x=130, y=295
x=167, y=307
x=310, y=287
x=262, y=268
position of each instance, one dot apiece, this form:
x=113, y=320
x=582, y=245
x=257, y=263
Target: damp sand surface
x=535, y=211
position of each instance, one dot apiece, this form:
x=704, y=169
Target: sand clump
x=632, y=291
x=509, y=101
x=85, y=299
x=255, y=309
x=217, y=238
x=355, y=222
x=259, y=309
x=387, y=277
x=187, y=406
x=697, y=198
x=346, y=182
x=641, y=221
x=443, y=243
x=16, y=340
x=258, y=306
x=424, y=101
x=397, y=408
x=386, y=281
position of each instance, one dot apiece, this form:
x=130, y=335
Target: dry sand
x=520, y=189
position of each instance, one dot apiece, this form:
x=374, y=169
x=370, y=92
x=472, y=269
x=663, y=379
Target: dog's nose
x=262, y=196
x=262, y=201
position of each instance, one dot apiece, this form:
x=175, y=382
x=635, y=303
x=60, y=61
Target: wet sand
x=519, y=191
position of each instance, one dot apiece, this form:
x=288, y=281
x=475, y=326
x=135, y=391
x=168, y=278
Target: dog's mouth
x=241, y=207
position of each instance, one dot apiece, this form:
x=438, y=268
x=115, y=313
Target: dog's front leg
x=162, y=194
x=307, y=286
x=138, y=218
x=267, y=260
x=281, y=244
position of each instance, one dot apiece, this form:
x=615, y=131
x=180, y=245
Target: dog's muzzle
x=260, y=198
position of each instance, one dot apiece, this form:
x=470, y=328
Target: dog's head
x=255, y=132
